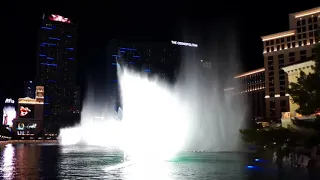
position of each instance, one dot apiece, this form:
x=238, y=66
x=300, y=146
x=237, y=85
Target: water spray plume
x=159, y=120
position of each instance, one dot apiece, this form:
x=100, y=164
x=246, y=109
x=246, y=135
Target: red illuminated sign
x=55, y=17
x=24, y=111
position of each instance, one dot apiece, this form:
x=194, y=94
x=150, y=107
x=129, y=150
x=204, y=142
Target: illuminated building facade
x=284, y=48
x=252, y=85
x=29, y=121
x=9, y=113
x=293, y=73
x=291, y=118
x=57, y=64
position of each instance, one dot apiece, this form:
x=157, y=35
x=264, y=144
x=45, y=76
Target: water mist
x=195, y=114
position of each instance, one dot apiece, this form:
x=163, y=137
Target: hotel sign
x=184, y=44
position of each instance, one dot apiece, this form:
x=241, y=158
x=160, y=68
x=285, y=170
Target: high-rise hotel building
x=282, y=49
x=57, y=64
x=252, y=85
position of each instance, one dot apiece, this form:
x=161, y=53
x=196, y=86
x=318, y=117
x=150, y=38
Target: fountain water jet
x=159, y=120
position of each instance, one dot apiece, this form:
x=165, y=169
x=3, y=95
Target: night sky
x=98, y=23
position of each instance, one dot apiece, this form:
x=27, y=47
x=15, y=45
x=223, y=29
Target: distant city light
x=184, y=44
x=46, y=28
x=54, y=38
x=55, y=17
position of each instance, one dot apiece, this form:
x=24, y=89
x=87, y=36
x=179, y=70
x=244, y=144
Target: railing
x=28, y=141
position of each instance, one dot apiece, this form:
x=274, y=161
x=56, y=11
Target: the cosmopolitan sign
x=184, y=44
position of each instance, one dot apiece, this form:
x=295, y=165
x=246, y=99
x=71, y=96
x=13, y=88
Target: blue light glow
x=259, y=160
x=49, y=44
x=50, y=58
x=69, y=36
x=71, y=58
x=54, y=38
x=114, y=80
x=122, y=51
x=46, y=28
x=71, y=49
x=47, y=64
x=251, y=167
x=115, y=64
x=42, y=55
x=147, y=70
x=136, y=56
x=52, y=81
x=131, y=62
x=128, y=49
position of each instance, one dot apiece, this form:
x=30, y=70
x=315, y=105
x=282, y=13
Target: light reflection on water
x=7, y=166
x=33, y=161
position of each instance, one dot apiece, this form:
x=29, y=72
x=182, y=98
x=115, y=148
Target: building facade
x=291, y=119
x=57, y=64
x=293, y=72
x=252, y=85
x=282, y=49
x=29, y=121
x=29, y=89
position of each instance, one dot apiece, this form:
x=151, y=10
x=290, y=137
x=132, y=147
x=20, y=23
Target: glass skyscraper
x=57, y=64
x=153, y=58
x=29, y=89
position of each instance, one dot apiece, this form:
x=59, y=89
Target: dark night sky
x=100, y=22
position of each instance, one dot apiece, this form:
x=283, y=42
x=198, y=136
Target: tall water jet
x=158, y=120
x=155, y=117
x=215, y=115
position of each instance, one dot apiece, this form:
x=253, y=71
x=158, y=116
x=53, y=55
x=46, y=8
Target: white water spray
x=160, y=120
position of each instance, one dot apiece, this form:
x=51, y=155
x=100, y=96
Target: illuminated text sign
x=22, y=126
x=9, y=101
x=184, y=44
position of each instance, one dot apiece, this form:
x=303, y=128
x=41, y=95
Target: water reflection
x=147, y=170
x=27, y=163
x=31, y=161
x=49, y=161
x=139, y=171
x=7, y=165
x=22, y=161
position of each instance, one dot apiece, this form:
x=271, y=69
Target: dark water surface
x=48, y=161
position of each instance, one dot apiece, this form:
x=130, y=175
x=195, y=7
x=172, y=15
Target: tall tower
x=29, y=89
x=56, y=67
